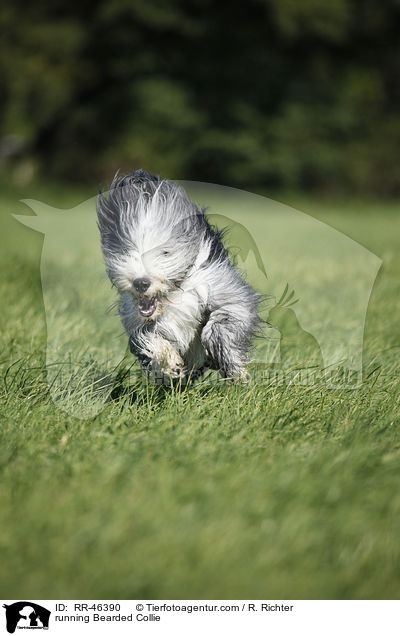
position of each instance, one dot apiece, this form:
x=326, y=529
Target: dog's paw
x=165, y=376
x=174, y=371
x=168, y=361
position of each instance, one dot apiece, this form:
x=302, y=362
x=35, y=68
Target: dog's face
x=152, y=272
x=149, y=240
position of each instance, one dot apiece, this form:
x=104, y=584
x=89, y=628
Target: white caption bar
x=277, y=618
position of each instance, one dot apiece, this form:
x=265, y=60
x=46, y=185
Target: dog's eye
x=165, y=252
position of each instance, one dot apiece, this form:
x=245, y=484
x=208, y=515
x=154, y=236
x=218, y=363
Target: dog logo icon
x=26, y=615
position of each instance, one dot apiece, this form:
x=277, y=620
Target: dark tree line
x=257, y=94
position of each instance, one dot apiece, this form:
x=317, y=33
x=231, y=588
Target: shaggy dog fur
x=184, y=305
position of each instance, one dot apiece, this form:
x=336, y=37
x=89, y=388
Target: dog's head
x=151, y=236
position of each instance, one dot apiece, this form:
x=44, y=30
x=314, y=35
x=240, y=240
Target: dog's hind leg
x=226, y=342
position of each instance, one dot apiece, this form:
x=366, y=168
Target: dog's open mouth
x=147, y=306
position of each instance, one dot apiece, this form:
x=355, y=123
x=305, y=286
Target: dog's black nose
x=141, y=284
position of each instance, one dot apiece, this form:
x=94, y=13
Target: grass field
x=218, y=491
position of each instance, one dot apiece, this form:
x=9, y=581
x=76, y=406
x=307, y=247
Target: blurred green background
x=266, y=490
x=263, y=94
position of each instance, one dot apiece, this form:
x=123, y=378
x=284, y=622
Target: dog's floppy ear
x=108, y=205
x=105, y=220
x=116, y=208
x=111, y=210
x=106, y=211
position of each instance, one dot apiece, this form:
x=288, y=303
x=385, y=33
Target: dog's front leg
x=165, y=359
x=156, y=354
x=226, y=343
